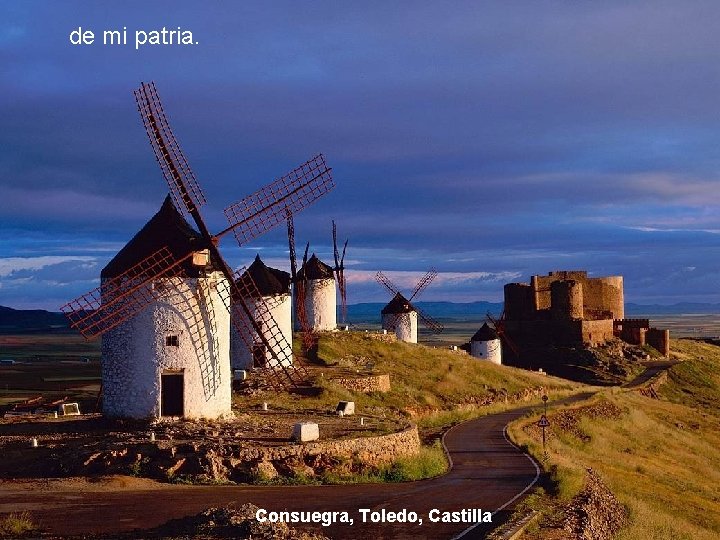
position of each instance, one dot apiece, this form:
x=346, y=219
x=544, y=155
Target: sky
x=489, y=140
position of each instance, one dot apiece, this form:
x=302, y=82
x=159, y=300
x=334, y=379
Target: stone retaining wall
x=371, y=383
x=370, y=450
x=207, y=461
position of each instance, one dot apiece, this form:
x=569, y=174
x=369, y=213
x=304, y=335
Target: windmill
x=340, y=273
x=400, y=315
x=308, y=336
x=499, y=326
x=126, y=295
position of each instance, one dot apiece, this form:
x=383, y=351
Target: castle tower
x=320, y=295
x=485, y=344
x=399, y=316
x=173, y=358
x=566, y=300
x=274, y=288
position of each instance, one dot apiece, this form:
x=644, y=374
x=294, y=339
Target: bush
x=16, y=524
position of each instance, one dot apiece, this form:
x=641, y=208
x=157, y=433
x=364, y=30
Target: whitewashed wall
x=405, y=325
x=320, y=305
x=281, y=311
x=487, y=350
x=135, y=354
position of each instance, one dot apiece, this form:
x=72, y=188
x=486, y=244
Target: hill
x=30, y=320
x=659, y=457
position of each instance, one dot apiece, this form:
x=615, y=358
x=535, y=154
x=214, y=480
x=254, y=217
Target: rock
x=264, y=470
x=595, y=513
x=173, y=469
x=346, y=407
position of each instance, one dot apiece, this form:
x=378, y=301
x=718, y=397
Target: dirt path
x=488, y=472
x=651, y=370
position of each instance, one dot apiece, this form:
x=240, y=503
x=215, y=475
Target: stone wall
x=370, y=450
x=595, y=333
x=659, y=340
x=602, y=297
x=371, y=383
x=389, y=337
x=135, y=354
x=213, y=461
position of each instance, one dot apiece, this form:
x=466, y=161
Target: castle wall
x=659, y=340
x=487, y=350
x=632, y=330
x=605, y=294
x=280, y=307
x=135, y=354
x=320, y=305
x=404, y=325
x=595, y=333
x=602, y=297
x=519, y=302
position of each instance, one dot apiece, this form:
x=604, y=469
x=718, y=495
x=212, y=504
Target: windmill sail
x=258, y=213
x=174, y=165
x=123, y=296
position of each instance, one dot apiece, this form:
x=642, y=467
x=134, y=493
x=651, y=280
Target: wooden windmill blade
x=423, y=283
x=291, y=244
x=258, y=213
x=175, y=168
x=124, y=296
x=300, y=285
x=428, y=321
x=259, y=323
x=383, y=280
x=340, y=272
x=499, y=325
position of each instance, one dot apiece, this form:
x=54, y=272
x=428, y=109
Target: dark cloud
x=510, y=138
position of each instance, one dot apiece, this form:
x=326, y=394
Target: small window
x=172, y=341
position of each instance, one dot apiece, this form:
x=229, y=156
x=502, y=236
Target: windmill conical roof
x=269, y=281
x=399, y=304
x=484, y=334
x=167, y=228
x=315, y=269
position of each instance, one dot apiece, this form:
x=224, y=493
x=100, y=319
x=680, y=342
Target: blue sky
x=491, y=140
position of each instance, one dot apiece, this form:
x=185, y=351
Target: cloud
x=408, y=280
x=507, y=138
x=17, y=265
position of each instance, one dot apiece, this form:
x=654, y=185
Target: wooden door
x=172, y=401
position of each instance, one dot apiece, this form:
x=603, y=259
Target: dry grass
x=16, y=525
x=661, y=458
x=436, y=387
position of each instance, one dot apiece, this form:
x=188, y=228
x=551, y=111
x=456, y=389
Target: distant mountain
x=30, y=320
x=681, y=308
x=370, y=312
x=38, y=320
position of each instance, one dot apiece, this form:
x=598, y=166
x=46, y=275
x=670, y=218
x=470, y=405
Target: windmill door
x=172, y=399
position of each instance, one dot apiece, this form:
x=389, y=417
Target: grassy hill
x=434, y=387
x=660, y=457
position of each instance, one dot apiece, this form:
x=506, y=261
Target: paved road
x=488, y=472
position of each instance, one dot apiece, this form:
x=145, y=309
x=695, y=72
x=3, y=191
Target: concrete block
x=70, y=409
x=346, y=407
x=239, y=375
x=306, y=431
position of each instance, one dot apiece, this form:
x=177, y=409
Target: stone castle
x=568, y=308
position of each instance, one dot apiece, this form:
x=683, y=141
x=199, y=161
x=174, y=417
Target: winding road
x=488, y=472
